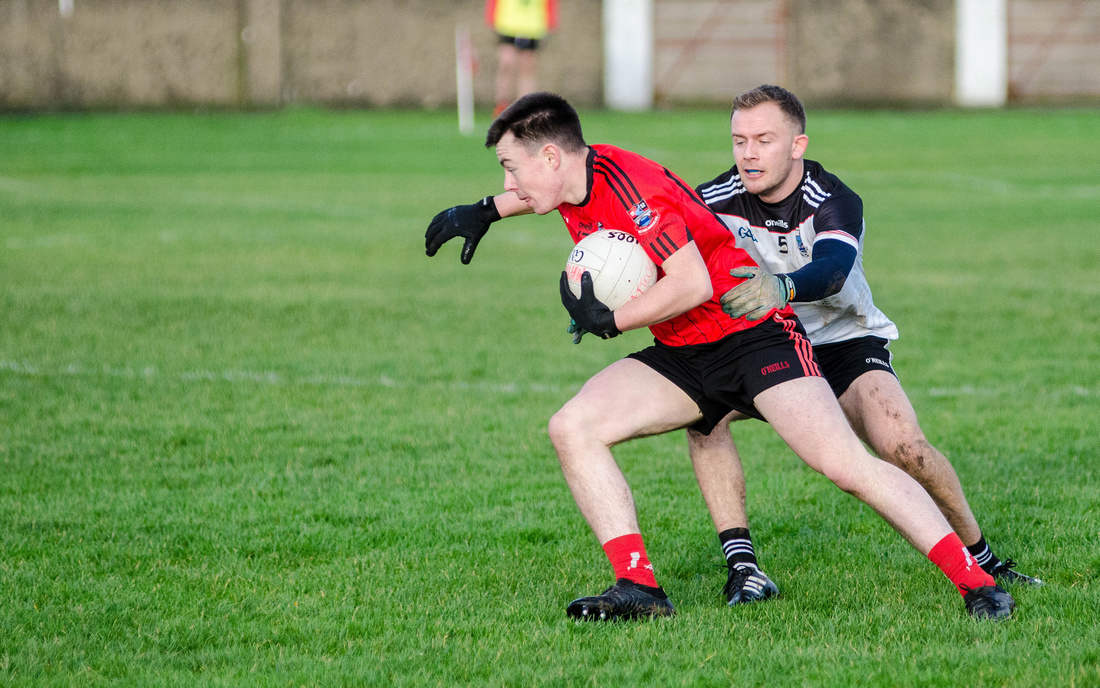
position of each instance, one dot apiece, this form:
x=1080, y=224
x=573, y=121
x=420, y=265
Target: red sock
x=627, y=556
x=955, y=561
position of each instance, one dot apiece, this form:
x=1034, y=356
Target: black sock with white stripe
x=737, y=546
x=983, y=555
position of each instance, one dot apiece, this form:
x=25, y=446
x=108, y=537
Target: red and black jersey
x=633, y=194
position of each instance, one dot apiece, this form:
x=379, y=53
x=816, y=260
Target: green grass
x=250, y=435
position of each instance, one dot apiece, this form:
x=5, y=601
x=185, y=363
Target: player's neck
x=788, y=187
x=575, y=177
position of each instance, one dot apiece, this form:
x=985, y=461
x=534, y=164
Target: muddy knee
x=913, y=456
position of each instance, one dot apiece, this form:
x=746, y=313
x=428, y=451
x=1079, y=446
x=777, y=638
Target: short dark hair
x=787, y=102
x=539, y=118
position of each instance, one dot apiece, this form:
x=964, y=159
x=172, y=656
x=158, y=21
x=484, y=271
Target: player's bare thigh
x=718, y=437
x=625, y=400
x=805, y=413
x=880, y=412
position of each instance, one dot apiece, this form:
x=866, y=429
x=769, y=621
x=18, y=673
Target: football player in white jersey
x=805, y=228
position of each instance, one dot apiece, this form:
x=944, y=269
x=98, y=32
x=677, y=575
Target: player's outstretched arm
x=470, y=222
x=823, y=276
x=758, y=295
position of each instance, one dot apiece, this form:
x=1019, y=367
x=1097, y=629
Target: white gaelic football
x=619, y=266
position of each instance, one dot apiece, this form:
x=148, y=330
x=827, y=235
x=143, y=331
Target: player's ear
x=799, y=145
x=552, y=155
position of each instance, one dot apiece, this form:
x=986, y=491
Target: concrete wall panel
x=401, y=52
x=107, y=54
x=872, y=51
x=712, y=50
x=241, y=53
x=149, y=53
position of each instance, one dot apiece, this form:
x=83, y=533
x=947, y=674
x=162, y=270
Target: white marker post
x=628, y=54
x=981, y=53
x=464, y=70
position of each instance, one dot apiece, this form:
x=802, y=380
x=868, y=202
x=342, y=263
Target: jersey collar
x=588, y=164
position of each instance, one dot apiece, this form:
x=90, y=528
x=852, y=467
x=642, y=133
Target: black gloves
x=587, y=312
x=470, y=221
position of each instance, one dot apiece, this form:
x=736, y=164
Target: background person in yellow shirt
x=521, y=24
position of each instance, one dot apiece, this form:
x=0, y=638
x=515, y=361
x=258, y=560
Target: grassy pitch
x=251, y=435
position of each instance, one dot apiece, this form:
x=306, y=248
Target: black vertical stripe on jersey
x=682, y=339
x=659, y=250
x=697, y=326
x=636, y=195
x=616, y=177
x=694, y=197
x=616, y=185
x=667, y=244
x=614, y=189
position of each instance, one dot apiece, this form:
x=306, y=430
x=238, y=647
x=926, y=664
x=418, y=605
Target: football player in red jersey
x=703, y=365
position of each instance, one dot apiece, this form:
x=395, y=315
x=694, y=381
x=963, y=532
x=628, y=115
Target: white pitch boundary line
x=272, y=378
x=47, y=241
x=74, y=194
x=970, y=391
x=987, y=185
x=16, y=186
x=269, y=377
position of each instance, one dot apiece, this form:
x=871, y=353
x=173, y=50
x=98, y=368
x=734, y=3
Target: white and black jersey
x=781, y=238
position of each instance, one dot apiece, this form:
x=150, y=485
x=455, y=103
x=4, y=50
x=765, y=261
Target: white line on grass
x=187, y=200
x=268, y=377
x=987, y=185
x=16, y=186
x=47, y=241
x=971, y=391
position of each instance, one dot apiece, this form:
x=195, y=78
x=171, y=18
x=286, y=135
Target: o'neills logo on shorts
x=775, y=367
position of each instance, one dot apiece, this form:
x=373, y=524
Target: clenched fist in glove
x=588, y=313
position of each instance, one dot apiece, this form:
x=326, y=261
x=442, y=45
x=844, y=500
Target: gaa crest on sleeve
x=801, y=246
x=644, y=217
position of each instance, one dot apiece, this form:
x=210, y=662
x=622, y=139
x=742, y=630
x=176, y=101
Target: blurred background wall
x=107, y=54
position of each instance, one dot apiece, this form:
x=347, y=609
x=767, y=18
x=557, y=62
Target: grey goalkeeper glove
x=757, y=295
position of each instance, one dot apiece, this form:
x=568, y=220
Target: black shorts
x=520, y=42
x=727, y=375
x=843, y=362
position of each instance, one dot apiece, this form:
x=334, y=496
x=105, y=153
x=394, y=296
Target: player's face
x=531, y=176
x=766, y=146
